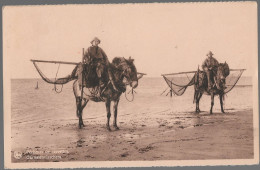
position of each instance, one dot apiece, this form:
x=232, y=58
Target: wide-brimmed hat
x=95, y=39
x=210, y=53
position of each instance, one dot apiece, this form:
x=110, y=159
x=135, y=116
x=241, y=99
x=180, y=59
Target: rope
x=59, y=81
x=241, y=72
x=55, y=88
x=132, y=92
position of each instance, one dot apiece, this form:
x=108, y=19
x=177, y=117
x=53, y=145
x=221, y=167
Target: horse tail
x=195, y=89
x=75, y=88
x=76, y=97
x=194, y=96
x=196, y=83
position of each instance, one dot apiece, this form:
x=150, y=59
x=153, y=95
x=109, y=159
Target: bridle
x=122, y=75
x=220, y=73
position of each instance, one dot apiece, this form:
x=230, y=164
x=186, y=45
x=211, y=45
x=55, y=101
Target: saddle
x=87, y=75
x=201, y=79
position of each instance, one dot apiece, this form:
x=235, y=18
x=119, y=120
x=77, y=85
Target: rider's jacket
x=209, y=63
x=95, y=53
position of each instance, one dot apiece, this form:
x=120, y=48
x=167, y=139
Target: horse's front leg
x=108, y=102
x=115, y=114
x=221, y=102
x=212, y=102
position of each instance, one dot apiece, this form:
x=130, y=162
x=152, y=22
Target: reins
x=132, y=91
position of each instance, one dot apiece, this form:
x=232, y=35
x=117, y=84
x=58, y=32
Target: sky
x=161, y=37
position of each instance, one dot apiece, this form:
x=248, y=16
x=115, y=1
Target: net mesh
x=179, y=82
x=55, y=80
x=232, y=79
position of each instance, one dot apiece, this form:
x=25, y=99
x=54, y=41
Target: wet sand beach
x=152, y=127
x=217, y=136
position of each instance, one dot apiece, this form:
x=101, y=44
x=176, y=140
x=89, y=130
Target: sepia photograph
x=130, y=85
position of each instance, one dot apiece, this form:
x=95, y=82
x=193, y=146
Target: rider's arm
x=104, y=55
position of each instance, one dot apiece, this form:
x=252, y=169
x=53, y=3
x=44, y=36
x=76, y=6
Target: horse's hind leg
x=221, y=103
x=80, y=108
x=79, y=111
x=212, y=102
x=198, y=102
x=108, y=102
x=115, y=114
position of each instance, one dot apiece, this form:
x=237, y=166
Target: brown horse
x=124, y=73
x=201, y=85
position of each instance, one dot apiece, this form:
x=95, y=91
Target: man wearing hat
x=96, y=56
x=210, y=67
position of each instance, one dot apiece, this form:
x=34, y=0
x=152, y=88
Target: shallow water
x=30, y=105
x=45, y=120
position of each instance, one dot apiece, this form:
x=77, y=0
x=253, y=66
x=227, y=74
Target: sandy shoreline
x=141, y=137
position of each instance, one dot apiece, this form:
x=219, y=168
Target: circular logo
x=18, y=155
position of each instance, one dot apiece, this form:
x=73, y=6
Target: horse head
x=222, y=72
x=127, y=69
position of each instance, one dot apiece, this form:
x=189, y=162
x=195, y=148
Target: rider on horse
x=96, y=57
x=210, y=67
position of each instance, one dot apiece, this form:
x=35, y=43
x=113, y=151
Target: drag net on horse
x=51, y=70
x=179, y=82
x=60, y=78
x=232, y=79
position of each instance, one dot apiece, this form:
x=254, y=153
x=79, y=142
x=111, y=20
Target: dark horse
x=201, y=85
x=124, y=73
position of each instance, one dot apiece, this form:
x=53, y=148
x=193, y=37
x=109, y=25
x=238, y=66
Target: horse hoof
x=108, y=128
x=116, y=128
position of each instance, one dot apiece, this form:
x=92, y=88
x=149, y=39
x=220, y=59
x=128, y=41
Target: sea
x=31, y=105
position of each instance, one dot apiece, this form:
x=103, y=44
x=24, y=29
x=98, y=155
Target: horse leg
x=221, y=103
x=212, y=102
x=80, y=108
x=115, y=114
x=198, y=102
x=79, y=111
x=108, y=102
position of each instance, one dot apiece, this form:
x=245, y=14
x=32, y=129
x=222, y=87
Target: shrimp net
x=179, y=82
x=232, y=79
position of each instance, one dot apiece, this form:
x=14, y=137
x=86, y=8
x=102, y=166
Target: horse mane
x=225, y=68
x=116, y=60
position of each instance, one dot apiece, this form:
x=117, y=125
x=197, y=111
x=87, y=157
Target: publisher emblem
x=17, y=155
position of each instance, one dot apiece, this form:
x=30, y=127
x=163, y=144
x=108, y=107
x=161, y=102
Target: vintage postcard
x=130, y=85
